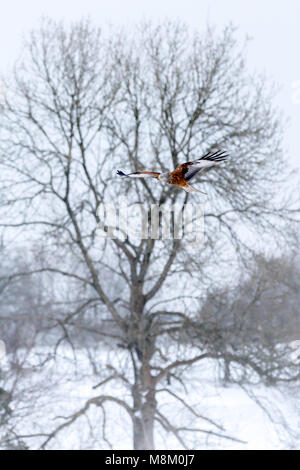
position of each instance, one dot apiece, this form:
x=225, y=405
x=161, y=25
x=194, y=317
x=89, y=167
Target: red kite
x=184, y=172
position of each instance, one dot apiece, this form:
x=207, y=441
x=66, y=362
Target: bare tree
x=82, y=103
x=259, y=314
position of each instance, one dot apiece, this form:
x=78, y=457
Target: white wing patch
x=208, y=160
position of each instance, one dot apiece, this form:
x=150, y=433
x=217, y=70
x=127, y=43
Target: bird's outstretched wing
x=208, y=160
x=139, y=174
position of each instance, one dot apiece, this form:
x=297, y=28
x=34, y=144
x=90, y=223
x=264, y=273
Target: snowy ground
x=47, y=396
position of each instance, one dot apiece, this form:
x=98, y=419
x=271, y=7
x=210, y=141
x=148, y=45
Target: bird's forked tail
x=190, y=189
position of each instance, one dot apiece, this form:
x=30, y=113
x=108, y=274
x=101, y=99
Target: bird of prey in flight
x=181, y=176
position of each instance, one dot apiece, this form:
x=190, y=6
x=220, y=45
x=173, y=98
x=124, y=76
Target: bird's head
x=163, y=177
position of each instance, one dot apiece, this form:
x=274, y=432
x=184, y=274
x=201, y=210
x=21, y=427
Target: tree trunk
x=144, y=405
x=143, y=424
x=227, y=373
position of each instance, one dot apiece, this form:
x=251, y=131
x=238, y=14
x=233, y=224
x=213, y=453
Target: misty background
x=127, y=343
x=271, y=26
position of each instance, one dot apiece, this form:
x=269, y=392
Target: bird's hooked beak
x=159, y=177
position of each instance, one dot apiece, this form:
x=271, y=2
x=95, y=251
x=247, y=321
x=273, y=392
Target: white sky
x=273, y=25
